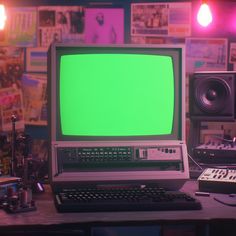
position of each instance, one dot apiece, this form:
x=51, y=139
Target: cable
x=202, y=166
x=195, y=162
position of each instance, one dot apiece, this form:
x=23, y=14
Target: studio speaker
x=212, y=96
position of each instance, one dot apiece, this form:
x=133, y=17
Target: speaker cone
x=212, y=95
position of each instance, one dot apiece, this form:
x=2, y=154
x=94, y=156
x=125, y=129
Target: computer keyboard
x=123, y=199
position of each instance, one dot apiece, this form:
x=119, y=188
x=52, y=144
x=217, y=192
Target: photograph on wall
x=36, y=59
x=49, y=35
x=232, y=53
x=163, y=19
x=21, y=27
x=11, y=66
x=34, y=87
x=104, y=25
x=60, y=24
x=11, y=103
x=206, y=54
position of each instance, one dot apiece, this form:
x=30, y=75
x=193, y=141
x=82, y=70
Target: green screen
x=116, y=94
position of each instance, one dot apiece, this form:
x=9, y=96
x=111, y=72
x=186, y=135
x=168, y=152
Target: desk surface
x=46, y=213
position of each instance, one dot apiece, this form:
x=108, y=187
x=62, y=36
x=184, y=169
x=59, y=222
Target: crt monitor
x=117, y=113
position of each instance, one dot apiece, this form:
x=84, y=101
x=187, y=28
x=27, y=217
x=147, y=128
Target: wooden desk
x=47, y=218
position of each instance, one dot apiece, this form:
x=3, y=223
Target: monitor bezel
x=177, y=52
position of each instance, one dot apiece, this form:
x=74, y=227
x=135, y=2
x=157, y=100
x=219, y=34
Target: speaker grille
x=212, y=95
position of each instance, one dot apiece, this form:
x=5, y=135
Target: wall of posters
x=30, y=30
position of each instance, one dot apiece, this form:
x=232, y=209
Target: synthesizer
x=216, y=152
x=217, y=180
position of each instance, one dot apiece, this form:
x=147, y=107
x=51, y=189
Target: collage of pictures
x=30, y=31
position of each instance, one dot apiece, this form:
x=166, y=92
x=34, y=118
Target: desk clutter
x=21, y=174
x=14, y=196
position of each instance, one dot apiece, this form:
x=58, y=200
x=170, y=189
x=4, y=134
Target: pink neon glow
x=204, y=16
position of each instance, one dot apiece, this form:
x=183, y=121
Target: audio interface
x=217, y=180
x=214, y=152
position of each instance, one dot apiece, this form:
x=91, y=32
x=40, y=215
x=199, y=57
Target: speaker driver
x=211, y=95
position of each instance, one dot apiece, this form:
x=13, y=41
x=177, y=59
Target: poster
x=206, y=54
x=60, y=24
x=232, y=53
x=162, y=19
x=34, y=87
x=36, y=59
x=157, y=40
x=104, y=26
x=21, y=27
x=11, y=103
x=11, y=66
